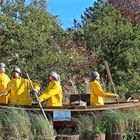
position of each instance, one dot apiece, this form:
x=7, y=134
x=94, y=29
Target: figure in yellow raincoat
x=96, y=92
x=53, y=93
x=4, y=80
x=19, y=89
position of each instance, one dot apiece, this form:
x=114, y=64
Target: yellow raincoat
x=53, y=94
x=97, y=94
x=4, y=80
x=19, y=91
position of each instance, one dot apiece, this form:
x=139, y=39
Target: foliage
x=114, y=39
x=20, y=125
x=133, y=121
x=132, y=124
x=89, y=125
x=41, y=127
x=15, y=124
x=113, y=121
x=109, y=122
x=31, y=39
x=131, y=136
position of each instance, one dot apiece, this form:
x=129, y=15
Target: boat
x=76, y=109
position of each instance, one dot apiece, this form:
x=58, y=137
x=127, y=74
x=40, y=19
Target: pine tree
x=114, y=38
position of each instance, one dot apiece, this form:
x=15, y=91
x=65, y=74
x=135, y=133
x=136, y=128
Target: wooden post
x=110, y=78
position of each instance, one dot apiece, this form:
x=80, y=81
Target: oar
x=43, y=112
x=110, y=79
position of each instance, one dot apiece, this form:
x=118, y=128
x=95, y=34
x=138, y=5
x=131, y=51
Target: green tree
x=31, y=41
x=117, y=40
x=41, y=5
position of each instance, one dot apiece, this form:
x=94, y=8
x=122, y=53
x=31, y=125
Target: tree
x=41, y=5
x=31, y=41
x=114, y=39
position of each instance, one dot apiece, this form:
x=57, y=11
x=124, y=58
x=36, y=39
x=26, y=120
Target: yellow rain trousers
x=4, y=80
x=97, y=94
x=53, y=94
x=19, y=91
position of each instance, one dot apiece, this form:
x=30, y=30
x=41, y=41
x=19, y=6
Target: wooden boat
x=76, y=109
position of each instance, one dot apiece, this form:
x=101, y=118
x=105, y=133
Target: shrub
x=89, y=125
x=113, y=121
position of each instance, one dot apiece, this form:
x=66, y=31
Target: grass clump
x=133, y=124
x=114, y=121
x=41, y=127
x=133, y=121
x=20, y=125
x=16, y=124
x=89, y=126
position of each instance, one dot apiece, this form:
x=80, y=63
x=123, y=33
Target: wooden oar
x=43, y=112
x=110, y=79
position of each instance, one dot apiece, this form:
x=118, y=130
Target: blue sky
x=68, y=10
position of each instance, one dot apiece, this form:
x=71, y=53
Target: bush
x=133, y=124
x=41, y=127
x=89, y=125
x=22, y=125
x=114, y=121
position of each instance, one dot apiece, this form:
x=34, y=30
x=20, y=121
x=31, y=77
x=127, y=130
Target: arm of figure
x=35, y=85
x=50, y=86
x=98, y=90
x=49, y=93
x=4, y=92
x=7, y=90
